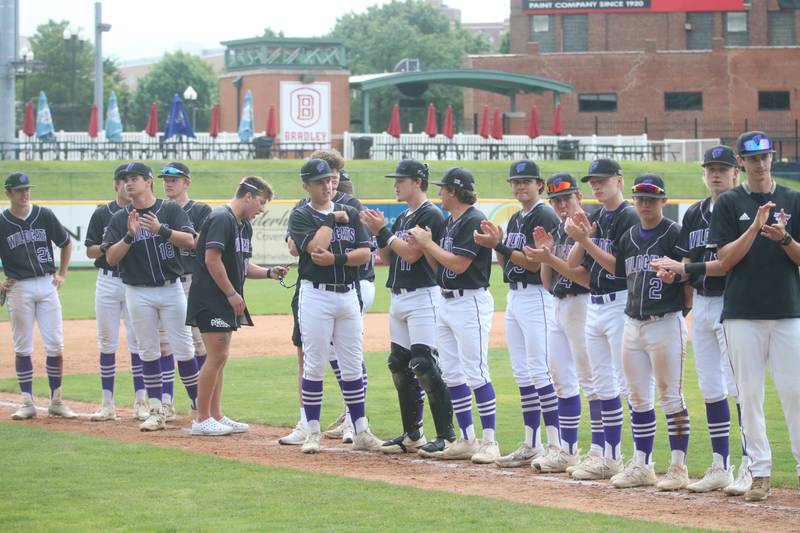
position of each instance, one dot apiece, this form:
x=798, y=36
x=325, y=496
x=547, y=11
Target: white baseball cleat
x=237, y=427
x=169, y=412
x=367, y=442
x=554, y=461
x=585, y=461
x=105, y=412
x=743, y=481
x=60, y=409
x=210, y=428
x=676, y=478
x=311, y=444
x=141, y=409
x=462, y=449
x=601, y=468
x=634, y=475
x=25, y=412
x=488, y=453
x=154, y=421
x=348, y=432
x=522, y=456
x=296, y=437
x=715, y=478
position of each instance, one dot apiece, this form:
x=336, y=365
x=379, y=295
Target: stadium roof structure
x=496, y=81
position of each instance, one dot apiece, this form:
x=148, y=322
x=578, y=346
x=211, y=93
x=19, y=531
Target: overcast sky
x=147, y=28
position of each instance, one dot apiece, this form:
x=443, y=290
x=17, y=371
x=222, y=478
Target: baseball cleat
x=336, y=423
x=105, y=412
x=634, y=475
x=141, y=409
x=488, y=453
x=237, y=427
x=434, y=448
x=676, y=478
x=154, y=421
x=60, y=409
x=169, y=412
x=759, y=490
x=461, y=449
x=367, y=442
x=403, y=444
x=522, y=456
x=296, y=437
x=25, y=412
x=743, y=481
x=311, y=444
x=554, y=461
x=586, y=460
x=210, y=428
x=602, y=468
x=715, y=478
x=348, y=432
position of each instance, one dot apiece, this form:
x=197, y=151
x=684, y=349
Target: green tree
x=505, y=43
x=170, y=76
x=272, y=34
x=379, y=38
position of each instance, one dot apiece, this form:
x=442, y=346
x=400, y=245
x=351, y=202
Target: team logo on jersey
x=777, y=216
x=639, y=263
x=744, y=217
x=219, y=323
x=447, y=244
x=344, y=233
x=26, y=236
x=242, y=245
x=698, y=238
x=516, y=240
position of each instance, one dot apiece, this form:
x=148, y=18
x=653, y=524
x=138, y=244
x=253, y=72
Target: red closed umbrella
x=29, y=124
x=272, y=124
x=93, y=122
x=394, y=122
x=213, y=129
x=430, y=121
x=533, y=125
x=152, y=121
x=558, y=128
x=497, y=124
x=448, y=122
x=484, y=131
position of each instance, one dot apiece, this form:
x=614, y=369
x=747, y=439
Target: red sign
x=543, y=7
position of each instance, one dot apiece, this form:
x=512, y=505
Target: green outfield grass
x=263, y=390
x=63, y=482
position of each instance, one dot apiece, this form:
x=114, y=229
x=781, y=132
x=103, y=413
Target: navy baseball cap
x=523, y=170
x=561, y=184
x=720, y=154
x=18, y=180
x=649, y=185
x=119, y=171
x=457, y=177
x=175, y=170
x=140, y=169
x=315, y=170
x=602, y=168
x=344, y=176
x=753, y=143
x=410, y=168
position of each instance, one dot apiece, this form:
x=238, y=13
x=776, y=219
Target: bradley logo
x=321, y=166
x=520, y=167
x=594, y=166
x=716, y=152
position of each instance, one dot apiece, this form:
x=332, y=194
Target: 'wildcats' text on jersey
x=26, y=236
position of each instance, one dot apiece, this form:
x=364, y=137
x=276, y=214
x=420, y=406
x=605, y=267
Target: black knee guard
x=425, y=366
x=407, y=394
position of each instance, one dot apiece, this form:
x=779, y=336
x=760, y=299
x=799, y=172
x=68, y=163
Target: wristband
x=164, y=232
x=104, y=247
x=339, y=259
x=269, y=272
x=503, y=250
x=786, y=240
x=127, y=239
x=695, y=269
x=383, y=237
x=229, y=294
x=330, y=220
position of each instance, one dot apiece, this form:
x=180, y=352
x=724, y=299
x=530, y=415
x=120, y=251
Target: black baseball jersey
x=647, y=295
x=151, y=259
x=610, y=226
x=26, y=245
x=694, y=238
x=233, y=239
x=765, y=284
x=420, y=274
x=458, y=238
x=303, y=225
x=562, y=245
x=519, y=232
x=97, y=228
x=197, y=213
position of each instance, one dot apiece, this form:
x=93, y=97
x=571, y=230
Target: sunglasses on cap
x=648, y=188
x=558, y=186
x=172, y=171
x=751, y=145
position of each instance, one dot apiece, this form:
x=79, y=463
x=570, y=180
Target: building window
x=699, y=31
x=683, y=101
x=773, y=100
x=597, y=103
x=736, y=29
x=575, y=33
x=543, y=32
x=780, y=27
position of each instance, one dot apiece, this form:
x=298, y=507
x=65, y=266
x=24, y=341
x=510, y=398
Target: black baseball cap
x=720, y=154
x=175, y=170
x=753, y=143
x=315, y=170
x=602, y=168
x=18, y=180
x=649, y=185
x=410, y=168
x=561, y=184
x=344, y=176
x=457, y=177
x=523, y=170
x=139, y=169
x=118, y=172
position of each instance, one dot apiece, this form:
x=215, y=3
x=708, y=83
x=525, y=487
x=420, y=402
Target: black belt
x=601, y=298
x=334, y=287
x=112, y=273
x=517, y=285
x=184, y=278
x=158, y=283
x=402, y=291
x=447, y=295
x=649, y=317
x=709, y=293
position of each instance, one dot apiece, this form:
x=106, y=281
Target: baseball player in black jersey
x=27, y=235
x=141, y=239
x=332, y=243
x=109, y=305
x=528, y=312
x=654, y=340
x=754, y=227
x=216, y=298
x=413, y=360
x=464, y=319
x=595, y=240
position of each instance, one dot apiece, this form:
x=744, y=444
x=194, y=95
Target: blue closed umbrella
x=113, y=120
x=178, y=123
x=246, y=125
x=44, y=120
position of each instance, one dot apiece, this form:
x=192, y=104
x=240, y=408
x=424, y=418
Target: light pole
x=99, y=28
x=190, y=95
x=73, y=42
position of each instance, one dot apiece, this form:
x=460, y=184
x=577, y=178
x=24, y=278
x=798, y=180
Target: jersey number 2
x=655, y=289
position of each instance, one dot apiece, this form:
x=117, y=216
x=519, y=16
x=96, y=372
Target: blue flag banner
x=178, y=123
x=44, y=120
x=113, y=120
x=246, y=125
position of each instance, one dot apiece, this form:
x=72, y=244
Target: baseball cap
x=139, y=169
x=457, y=177
x=18, y=180
x=753, y=143
x=175, y=170
x=561, y=184
x=720, y=154
x=410, y=168
x=315, y=170
x=344, y=176
x=649, y=185
x=523, y=170
x=602, y=168
x=118, y=172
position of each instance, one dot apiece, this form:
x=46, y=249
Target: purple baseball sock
x=549, y=403
x=151, y=373
x=644, y=432
x=108, y=369
x=24, y=367
x=487, y=407
x=201, y=360
x=55, y=368
x=531, y=413
x=596, y=419
x=136, y=373
x=190, y=375
x=312, y=399
x=168, y=378
x=611, y=411
x=462, y=406
x=353, y=392
x=678, y=428
x=569, y=418
x=719, y=428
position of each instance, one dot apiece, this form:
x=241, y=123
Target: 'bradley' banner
x=611, y=6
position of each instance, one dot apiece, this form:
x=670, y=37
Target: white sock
x=530, y=438
x=470, y=432
x=488, y=435
x=553, y=437
x=303, y=420
x=108, y=396
x=361, y=425
x=140, y=395
x=313, y=426
x=717, y=460
x=678, y=457
x=155, y=403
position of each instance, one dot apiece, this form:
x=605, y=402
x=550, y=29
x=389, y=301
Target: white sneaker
x=154, y=421
x=715, y=478
x=634, y=475
x=25, y=412
x=367, y=442
x=554, y=461
x=60, y=409
x=169, y=412
x=462, y=449
x=311, y=444
x=210, y=428
x=601, y=468
x=141, y=409
x=522, y=456
x=585, y=461
x=676, y=478
x=106, y=411
x=296, y=437
x=488, y=453
x=237, y=427
x=348, y=432
x=743, y=481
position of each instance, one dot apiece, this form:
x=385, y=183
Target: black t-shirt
x=458, y=238
x=197, y=213
x=419, y=274
x=765, y=284
x=694, y=238
x=519, y=232
x=610, y=226
x=151, y=259
x=562, y=245
x=647, y=294
x=97, y=228
x=26, y=246
x=303, y=225
x=233, y=239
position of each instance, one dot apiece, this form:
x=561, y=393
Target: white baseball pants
x=150, y=306
x=109, y=308
x=35, y=301
x=529, y=312
x=568, y=358
x=462, y=333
